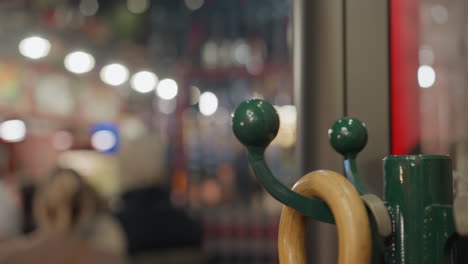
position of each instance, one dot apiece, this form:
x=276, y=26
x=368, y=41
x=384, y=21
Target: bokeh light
x=225, y=53
x=114, y=74
x=138, y=6
x=210, y=54
x=288, y=123
x=194, y=4
x=13, y=130
x=103, y=140
x=241, y=52
x=208, y=103
x=167, y=89
x=144, y=81
x=34, y=47
x=79, y=62
x=426, y=76
x=62, y=140
x=89, y=7
x=211, y=192
x=132, y=128
x=440, y=14
x=288, y=114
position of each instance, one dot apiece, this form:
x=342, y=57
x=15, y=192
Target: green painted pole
x=419, y=195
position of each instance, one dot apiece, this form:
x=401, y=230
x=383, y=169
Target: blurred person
x=72, y=226
x=157, y=232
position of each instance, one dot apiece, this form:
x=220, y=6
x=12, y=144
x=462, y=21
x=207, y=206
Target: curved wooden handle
x=354, y=235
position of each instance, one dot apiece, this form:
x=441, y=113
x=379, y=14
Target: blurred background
x=136, y=96
x=138, y=93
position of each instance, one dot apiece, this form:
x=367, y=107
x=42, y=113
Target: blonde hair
x=65, y=201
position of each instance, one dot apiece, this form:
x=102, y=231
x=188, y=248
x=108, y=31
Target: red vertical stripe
x=404, y=89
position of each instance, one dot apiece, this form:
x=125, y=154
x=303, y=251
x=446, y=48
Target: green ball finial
x=348, y=136
x=255, y=123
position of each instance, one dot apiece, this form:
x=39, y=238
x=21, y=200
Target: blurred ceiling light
x=208, y=103
x=224, y=53
x=144, y=81
x=13, y=130
x=440, y=14
x=194, y=95
x=137, y=6
x=167, y=106
x=288, y=121
x=210, y=54
x=167, y=89
x=241, y=52
x=114, y=74
x=426, y=76
x=62, y=140
x=34, y=47
x=132, y=128
x=103, y=140
x=288, y=115
x=79, y=62
x=194, y=4
x=89, y=7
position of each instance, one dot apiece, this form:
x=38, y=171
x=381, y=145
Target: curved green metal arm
x=310, y=207
x=255, y=124
x=352, y=174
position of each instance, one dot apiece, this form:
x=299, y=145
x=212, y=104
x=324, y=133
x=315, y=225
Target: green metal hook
x=348, y=136
x=255, y=124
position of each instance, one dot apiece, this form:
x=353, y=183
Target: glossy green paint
x=348, y=136
x=438, y=229
x=418, y=192
x=352, y=174
x=255, y=124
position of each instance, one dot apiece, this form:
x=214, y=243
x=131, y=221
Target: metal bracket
x=380, y=213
